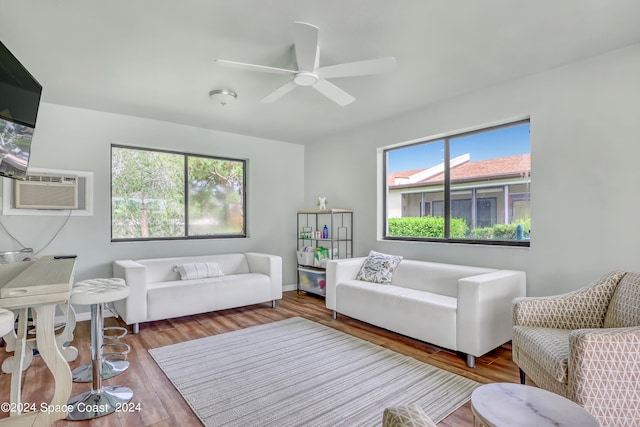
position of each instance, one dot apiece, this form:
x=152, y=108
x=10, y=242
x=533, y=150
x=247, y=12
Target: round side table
x=508, y=405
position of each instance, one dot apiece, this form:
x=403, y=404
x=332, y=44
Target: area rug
x=296, y=372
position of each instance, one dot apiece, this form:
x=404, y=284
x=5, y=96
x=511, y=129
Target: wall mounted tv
x=19, y=102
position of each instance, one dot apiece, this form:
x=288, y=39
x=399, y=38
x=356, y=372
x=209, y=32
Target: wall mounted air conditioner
x=42, y=191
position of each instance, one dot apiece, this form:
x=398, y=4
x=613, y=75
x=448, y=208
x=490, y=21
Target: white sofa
x=461, y=308
x=157, y=291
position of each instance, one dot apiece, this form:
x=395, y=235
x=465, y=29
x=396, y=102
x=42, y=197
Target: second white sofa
x=461, y=308
x=158, y=292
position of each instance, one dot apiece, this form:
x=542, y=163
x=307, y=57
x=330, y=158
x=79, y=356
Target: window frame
x=186, y=156
x=447, y=189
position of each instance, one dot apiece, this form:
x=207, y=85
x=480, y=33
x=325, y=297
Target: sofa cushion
x=378, y=268
x=549, y=347
x=406, y=311
x=624, y=307
x=198, y=270
x=434, y=277
x=185, y=297
x=162, y=269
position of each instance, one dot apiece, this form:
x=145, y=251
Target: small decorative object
x=322, y=203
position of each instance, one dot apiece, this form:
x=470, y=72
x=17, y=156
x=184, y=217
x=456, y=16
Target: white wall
x=585, y=148
x=77, y=139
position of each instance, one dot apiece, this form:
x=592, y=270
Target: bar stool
x=113, y=362
x=102, y=400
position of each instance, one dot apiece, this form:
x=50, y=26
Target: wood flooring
x=156, y=401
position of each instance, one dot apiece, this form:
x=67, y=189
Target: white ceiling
x=155, y=58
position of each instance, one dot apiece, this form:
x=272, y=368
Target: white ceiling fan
x=309, y=72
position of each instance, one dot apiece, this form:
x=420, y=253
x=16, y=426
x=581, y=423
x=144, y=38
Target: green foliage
x=430, y=226
x=147, y=194
x=426, y=226
x=502, y=231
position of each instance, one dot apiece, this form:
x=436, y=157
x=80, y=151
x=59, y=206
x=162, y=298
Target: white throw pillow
x=378, y=268
x=198, y=270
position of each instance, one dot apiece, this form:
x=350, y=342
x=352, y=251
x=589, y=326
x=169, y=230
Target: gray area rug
x=296, y=372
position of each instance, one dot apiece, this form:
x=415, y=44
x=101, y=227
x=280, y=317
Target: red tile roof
x=480, y=170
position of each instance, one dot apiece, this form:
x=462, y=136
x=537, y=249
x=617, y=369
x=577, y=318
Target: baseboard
x=292, y=287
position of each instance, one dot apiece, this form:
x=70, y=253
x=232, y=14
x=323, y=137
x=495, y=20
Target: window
x=167, y=195
x=472, y=187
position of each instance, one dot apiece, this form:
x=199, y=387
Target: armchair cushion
x=623, y=308
x=548, y=347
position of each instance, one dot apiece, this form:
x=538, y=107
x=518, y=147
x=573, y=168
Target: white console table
x=38, y=285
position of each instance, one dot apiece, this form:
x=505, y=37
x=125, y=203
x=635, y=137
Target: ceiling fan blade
x=333, y=92
x=254, y=67
x=280, y=92
x=359, y=68
x=306, y=43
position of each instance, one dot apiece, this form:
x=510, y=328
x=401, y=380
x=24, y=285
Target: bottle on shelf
x=325, y=232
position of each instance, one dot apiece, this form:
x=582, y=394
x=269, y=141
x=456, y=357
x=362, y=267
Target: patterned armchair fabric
x=406, y=416
x=585, y=345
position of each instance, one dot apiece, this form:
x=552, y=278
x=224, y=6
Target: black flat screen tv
x=19, y=103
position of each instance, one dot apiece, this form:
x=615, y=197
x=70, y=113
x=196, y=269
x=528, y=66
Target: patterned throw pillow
x=198, y=270
x=378, y=268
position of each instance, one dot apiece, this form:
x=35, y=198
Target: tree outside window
x=167, y=195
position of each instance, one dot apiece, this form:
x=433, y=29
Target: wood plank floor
x=161, y=405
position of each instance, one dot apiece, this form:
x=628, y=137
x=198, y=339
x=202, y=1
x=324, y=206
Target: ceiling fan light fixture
x=304, y=78
x=223, y=96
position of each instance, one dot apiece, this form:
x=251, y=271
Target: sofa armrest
x=133, y=309
x=271, y=265
x=579, y=309
x=484, y=309
x=604, y=367
x=337, y=271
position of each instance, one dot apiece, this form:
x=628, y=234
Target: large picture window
x=168, y=195
x=472, y=187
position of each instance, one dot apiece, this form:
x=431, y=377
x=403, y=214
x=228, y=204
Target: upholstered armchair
x=406, y=416
x=585, y=345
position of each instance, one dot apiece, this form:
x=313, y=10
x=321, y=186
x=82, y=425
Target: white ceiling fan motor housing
x=305, y=78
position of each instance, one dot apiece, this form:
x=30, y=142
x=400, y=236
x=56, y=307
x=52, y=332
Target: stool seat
x=7, y=321
x=97, y=291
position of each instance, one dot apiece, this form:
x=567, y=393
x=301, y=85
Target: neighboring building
x=484, y=192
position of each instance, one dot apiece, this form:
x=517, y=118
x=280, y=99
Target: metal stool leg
x=110, y=367
x=100, y=400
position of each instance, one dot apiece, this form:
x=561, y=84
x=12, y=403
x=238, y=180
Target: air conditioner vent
x=47, y=192
x=50, y=178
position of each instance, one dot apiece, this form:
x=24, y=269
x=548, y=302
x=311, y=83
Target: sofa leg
x=335, y=315
x=522, y=377
x=471, y=361
x=136, y=328
x=273, y=303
